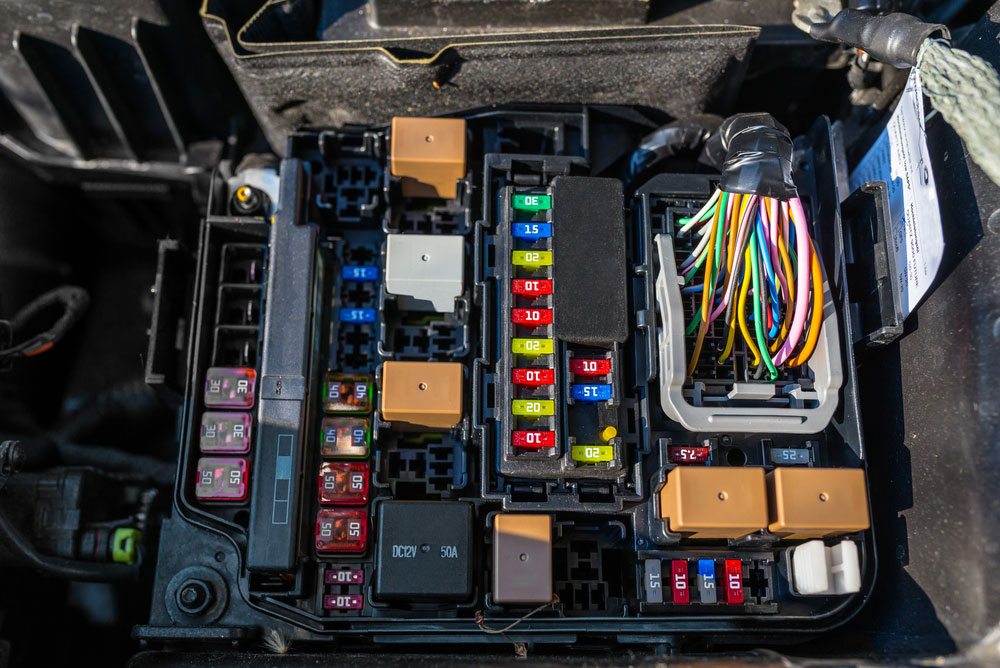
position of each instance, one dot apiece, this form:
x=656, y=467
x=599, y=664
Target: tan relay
x=522, y=558
x=422, y=394
x=714, y=502
x=428, y=154
x=815, y=503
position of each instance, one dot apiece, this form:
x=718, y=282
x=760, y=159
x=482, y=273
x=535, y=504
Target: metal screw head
x=195, y=596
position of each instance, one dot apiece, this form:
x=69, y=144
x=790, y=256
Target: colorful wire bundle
x=760, y=273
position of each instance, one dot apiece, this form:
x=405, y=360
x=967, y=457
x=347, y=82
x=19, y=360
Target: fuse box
x=429, y=396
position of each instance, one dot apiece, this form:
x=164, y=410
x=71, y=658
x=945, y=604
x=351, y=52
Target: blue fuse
x=706, y=580
x=590, y=392
x=359, y=274
x=357, y=315
x=532, y=231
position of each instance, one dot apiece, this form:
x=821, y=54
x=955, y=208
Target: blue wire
x=772, y=287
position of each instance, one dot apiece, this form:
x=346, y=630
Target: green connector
x=125, y=545
x=533, y=203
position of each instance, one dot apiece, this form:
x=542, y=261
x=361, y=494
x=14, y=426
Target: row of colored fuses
x=533, y=347
x=680, y=581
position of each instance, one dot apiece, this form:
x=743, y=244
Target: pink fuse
x=343, y=576
x=221, y=479
x=343, y=602
x=225, y=433
x=229, y=387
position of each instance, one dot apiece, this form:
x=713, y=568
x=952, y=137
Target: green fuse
x=533, y=407
x=531, y=259
x=532, y=203
x=591, y=454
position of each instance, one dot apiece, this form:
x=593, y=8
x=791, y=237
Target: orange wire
x=816, y=322
x=40, y=349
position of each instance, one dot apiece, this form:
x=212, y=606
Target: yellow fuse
x=592, y=453
x=531, y=259
x=533, y=407
x=532, y=346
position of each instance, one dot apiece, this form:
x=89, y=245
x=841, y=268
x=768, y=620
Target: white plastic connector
x=818, y=570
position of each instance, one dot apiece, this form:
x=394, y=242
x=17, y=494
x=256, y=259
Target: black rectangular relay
x=426, y=551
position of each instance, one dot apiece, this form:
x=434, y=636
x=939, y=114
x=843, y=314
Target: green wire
x=693, y=325
x=718, y=246
x=708, y=214
x=697, y=265
x=761, y=343
x=694, y=269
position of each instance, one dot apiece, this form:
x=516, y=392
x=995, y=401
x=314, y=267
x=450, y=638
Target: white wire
x=696, y=218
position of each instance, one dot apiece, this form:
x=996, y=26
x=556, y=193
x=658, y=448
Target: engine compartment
x=414, y=312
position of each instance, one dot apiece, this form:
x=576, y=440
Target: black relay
x=425, y=552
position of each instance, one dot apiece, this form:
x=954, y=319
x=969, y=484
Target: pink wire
x=802, y=288
x=771, y=225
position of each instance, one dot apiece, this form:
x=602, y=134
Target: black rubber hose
x=894, y=39
x=686, y=135
x=67, y=569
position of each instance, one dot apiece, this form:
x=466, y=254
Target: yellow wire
x=706, y=293
x=730, y=336
x=741, y=308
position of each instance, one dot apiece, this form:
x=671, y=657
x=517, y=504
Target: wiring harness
x=71, y=299
x=756, y=262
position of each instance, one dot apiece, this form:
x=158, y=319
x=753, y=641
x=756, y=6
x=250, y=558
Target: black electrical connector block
x=894, y=39
x=426, y=552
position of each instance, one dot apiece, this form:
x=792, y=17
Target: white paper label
x=899, y=157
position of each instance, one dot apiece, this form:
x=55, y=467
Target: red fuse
x=688, y=454
x=583, y=367
x=341, y=530
x=531, y=287
x=734, y=582
x=343, y=483
x=533, y=439
x=532, y=317
x=534, y=376
x=679, y=581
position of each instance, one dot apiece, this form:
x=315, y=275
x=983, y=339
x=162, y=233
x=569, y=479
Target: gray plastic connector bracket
x=747, y=407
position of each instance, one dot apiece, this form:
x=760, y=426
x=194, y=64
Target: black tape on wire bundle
x=758, y=156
